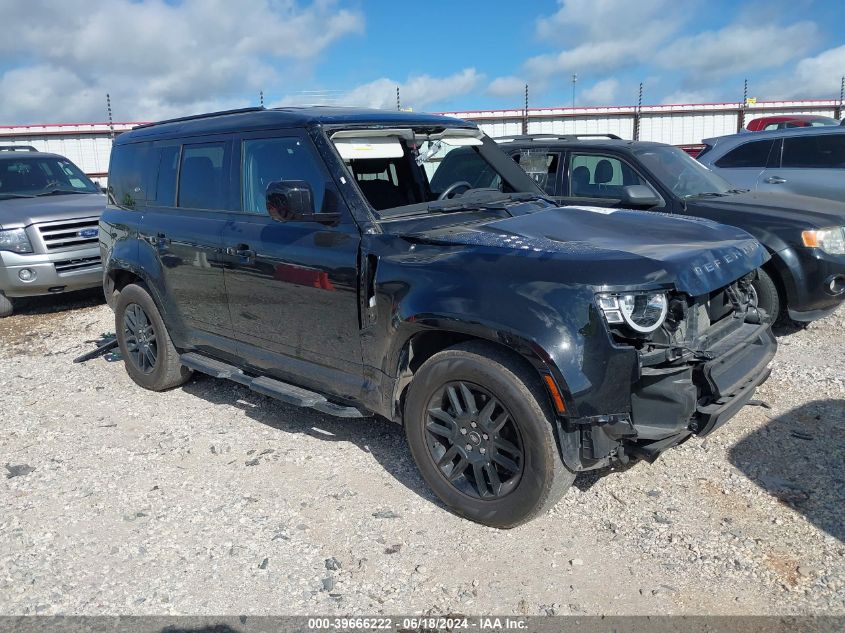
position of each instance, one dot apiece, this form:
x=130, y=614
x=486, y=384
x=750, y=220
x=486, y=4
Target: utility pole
x=261, y=98
x=740, y=120
x=108, y=109
x=525, y=112
x=398, y=102
x=637, y=114
x=574, y=81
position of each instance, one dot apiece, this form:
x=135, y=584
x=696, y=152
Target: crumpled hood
x=21, y=212
x=696, y=256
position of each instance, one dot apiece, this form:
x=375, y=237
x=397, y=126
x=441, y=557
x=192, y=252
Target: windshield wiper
x=706, y=194
x=738, y=190
x=17, y=195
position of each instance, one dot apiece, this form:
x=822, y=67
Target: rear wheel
x=764, y=295
x=6, y=307
x=481, y=432
x=149, y=355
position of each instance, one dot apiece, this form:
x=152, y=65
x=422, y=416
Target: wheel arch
x=417, y=346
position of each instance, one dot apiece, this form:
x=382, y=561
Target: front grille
x=80, y=263
x=69, y=234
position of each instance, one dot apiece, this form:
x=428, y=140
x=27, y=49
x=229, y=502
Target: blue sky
x=159, y=58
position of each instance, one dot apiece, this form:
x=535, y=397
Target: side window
x=127, y=175
x=541, y=166
x=773, y=126
x=597, y=176
x=269, y=160
x=203, y=176
x=754, y=154
x=821, y=152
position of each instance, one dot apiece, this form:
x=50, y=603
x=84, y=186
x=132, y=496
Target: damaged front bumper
x=673, y=400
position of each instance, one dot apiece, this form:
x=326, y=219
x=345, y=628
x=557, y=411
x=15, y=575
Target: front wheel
x=149, y=355
x=764, y=295
x=480, y=430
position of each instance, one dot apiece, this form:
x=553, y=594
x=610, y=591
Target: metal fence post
x=740, y=119
x=838, y=111
x=637, y=114
x=525, y=113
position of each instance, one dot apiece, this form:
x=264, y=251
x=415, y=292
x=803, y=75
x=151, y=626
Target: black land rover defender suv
x=328, y=258
x=804, y=279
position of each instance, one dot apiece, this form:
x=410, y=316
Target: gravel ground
x=211, y=499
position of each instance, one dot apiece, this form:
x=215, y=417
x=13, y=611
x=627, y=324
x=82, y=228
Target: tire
x=6, y=307
x=540, y=477
x=768, y=298
x=150, y=358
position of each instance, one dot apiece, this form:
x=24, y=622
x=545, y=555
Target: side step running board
x=287, y=393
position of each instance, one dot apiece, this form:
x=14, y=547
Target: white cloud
x=738, y=48
x=813, y=77
x=602, y=92
x=604, y=35
x=690, y=96
x=416, y=92
x=155, y=59
x=508, y=86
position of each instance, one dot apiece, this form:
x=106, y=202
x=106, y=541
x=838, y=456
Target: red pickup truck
x=784, y=121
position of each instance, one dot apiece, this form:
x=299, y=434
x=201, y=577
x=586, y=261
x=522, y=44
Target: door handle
x=775, y=180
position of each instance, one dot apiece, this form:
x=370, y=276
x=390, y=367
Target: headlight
x=831, y=241
x=642, y=312
x=15, y=240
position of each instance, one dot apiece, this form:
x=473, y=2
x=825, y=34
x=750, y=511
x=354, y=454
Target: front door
x=293, y=286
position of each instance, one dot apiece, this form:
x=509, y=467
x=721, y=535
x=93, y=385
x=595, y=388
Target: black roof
x=263, y=118
x=571, y=140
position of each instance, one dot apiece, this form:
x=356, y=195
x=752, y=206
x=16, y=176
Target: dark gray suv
x=49, y=212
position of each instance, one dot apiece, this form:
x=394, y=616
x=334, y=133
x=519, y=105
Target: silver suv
x=805, y=161
x=49, y=211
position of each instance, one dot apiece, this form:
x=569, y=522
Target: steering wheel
x=448, y=191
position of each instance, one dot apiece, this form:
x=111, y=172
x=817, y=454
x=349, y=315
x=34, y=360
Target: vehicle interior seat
x=374, y=179
x=581, y=181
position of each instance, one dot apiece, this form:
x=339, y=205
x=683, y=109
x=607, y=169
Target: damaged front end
x=699, y=361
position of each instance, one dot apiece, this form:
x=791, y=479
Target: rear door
x=743, y=165
x=182, y=230
x=293, y=285
x=809, y=165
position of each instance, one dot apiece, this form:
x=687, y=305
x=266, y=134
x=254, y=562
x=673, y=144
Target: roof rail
x=200, y=116
x=555, y=137
x=17, y=148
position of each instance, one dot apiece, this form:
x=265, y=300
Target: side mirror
x=289, y=200
x=293, y=200
x=639, y=196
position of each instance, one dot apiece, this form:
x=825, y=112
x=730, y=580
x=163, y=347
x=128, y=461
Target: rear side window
x=203, y=176
x=541, y=166
x=754, y=154
x=820, y=152
x=128, y=175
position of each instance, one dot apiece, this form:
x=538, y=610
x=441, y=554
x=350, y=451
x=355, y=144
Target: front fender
x=553, y=325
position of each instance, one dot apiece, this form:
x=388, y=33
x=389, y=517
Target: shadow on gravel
x=384, y=440
x=48, y=304
x=798, y=458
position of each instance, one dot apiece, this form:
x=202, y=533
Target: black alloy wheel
x=140, y=337
x=474, y=440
